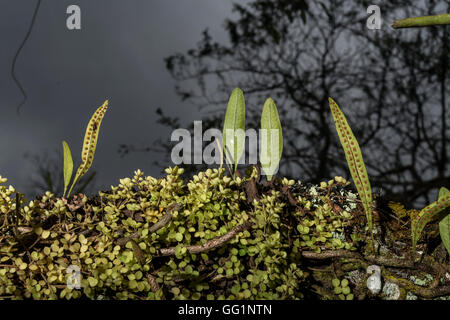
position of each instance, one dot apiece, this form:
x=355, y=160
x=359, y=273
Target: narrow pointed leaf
x=444, y=224
x=423, y=21
x=427, y=214
x=354, y=160
x=68, y=166
x=90, y=143
x=444, y=230
x=234, y=128
x=221, y=153
x=271, y=146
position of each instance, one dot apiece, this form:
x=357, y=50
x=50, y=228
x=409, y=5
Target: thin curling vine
x=427, y=214
x=354, y=160
x=88, y=150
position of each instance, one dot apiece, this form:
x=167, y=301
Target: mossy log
x=213, y=237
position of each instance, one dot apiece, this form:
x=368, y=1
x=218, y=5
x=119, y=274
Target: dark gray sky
x=118, y=55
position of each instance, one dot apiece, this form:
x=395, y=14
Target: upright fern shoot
x=233, y=135
x=354, y=160
x=427, y=214
x=88, y=150
x=271, y=139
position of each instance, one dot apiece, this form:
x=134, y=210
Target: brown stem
x=430, y=267
x=429, y=293
x=330, y=254
x=163, y=221
x=158, y=225
x=211, y=244
x=154, y=286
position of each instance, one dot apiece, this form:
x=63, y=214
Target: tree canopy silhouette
x=391, y=84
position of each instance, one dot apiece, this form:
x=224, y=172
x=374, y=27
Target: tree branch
x=211, y=244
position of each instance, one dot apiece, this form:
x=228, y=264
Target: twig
x=137, y=252
x=166, y=218
x=158, y=225
x=24, y=229
x=154, y=286
x=211, y=244
x=330, y=254
x=379, y=260
x=418, y=290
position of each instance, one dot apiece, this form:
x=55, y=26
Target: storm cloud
x=118, y=55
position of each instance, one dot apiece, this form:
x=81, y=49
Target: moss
x=166, y=238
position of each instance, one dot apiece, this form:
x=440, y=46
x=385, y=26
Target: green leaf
x=336, y=282
x=344, y=283
x=423, y=21
x=92, y=281
x=444, y=230
x=175, y=291
x=233, y=136
x=271, y=139
x=354, y=160
x=444, y=224
x=427, y=214
x=179, y=237
x=68, y=166
x=90, y=143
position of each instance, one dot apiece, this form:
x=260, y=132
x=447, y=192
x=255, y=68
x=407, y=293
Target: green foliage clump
x=342, y=289
x=354, y=160
x=151, y=238
x=87, y=152
x=324, y=228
